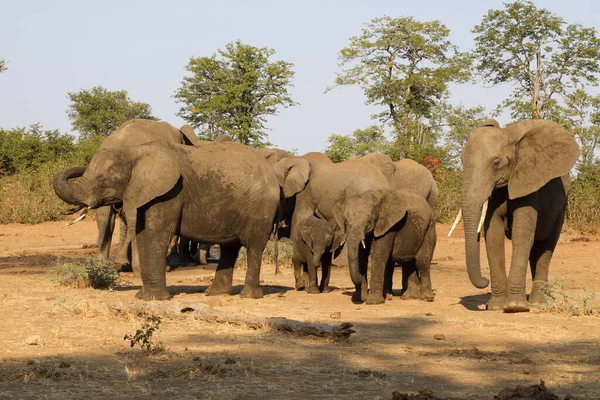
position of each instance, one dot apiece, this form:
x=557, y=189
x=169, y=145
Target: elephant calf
x=314, y=247
x=404, y=234
x=162, y=187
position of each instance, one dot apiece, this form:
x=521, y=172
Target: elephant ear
x=306, y=233
x=155, y=171
x=338, y=241
x=544, y=151
x=490, y=122
x=383, y=162
x=189, y=136
x=338, y=214
x=393, y=208
x=292, y=175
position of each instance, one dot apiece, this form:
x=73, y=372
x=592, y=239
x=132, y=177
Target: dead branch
x=205, y=312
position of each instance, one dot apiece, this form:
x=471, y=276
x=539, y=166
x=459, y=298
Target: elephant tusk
x=363, y=243
x=483, y=214
x=82, y=216
x=456, y=221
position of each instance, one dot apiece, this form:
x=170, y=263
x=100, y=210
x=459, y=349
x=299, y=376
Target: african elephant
x=130, y=133
x=521, y=173
x=316, y=243
x=316, y=187
x=404, y=233
x=162, y=188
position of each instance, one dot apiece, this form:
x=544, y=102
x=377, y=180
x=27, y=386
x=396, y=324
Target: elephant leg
x=153, y=241
x=523, y=233
x=298, y=272
x=184, y=250
x=539, y=260
x=222, y=283
x=124, y=255
x=411, y=281
x=361, y=293
x=494, y=245
x=423, y=265
x=380, y=254
x=203, y=250
x=252, y=289
x=135, y=259
x=325, y=272
x=105, y=221
x=388, y=279
x=313, y=287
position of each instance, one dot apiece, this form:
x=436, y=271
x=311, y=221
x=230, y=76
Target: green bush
x=143, y=336
x=92, y=272
x=286, y=251
x=583, y=213
x=449, y=184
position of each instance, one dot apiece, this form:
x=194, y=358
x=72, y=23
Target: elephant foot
x=515, y=304
x=251, y=292
x=427, y=295
x=146, y=293
x=496, y=303
x=325, y=289
x=537, y=296
x=357, y=297
x=202, y=257
x=313, y=289
x=375, y=299
x=218, y=290
x=125, y=267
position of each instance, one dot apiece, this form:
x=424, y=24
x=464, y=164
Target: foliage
x=92, y=272
x=560, y=301
x=460, y=121
x=583, y=211
x=2, y=65
x=235, y=93
x=360, y=143
x=22, y=149
x=285, y=255
x=143, y=336
x=98, y=111
x=538, y=53
x=405, y=66
x=449, y=183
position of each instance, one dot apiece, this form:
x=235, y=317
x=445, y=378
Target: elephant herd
x=164, y=182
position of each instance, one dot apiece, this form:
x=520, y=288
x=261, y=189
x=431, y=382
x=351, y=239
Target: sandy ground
x=81, y=352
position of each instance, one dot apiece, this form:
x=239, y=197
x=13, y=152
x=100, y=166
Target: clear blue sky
x=54, y=47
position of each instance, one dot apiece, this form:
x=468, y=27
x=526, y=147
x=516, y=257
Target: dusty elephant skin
x=404, y=234
x=316, y=186
x=317, y=239
x=130, y=133
x=522, y=173
x=162, y=188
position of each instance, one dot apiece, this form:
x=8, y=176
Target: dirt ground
x=452, y=346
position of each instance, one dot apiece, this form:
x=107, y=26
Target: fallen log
x=205, y=312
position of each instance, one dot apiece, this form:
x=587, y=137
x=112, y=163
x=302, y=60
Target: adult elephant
x=162, y=189
x=130, y=133
x=317, y=187
x=521, y=172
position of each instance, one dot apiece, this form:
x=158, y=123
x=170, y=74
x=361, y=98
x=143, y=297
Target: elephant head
x=274, y=155
x=383, y=162
x=320, y=236
x=132, y=175
x=523, y=157
x=356, y=215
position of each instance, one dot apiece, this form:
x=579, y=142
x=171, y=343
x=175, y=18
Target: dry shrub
x=559, y=301
x=449, y=184
x=92, y=272
x=583, y=213
x=286, y=250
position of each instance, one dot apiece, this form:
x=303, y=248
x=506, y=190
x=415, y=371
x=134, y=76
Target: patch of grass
x=585, y=303
x=92, y=272
x=69, y=305
x=143, y=336
x=286, y=250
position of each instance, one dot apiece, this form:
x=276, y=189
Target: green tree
x=360, y=143
x=2, y=65
x=405, y=66
x=98, y=112
x=460, y=121
x=538, y=53
x=235, y=92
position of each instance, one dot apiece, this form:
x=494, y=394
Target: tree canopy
x=2, y=65
x=405, y=66
x=538, y=53
x=98, y=111
x=360, y=143
x=234, y=93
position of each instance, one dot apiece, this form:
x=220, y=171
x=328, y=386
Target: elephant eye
x=496, y=163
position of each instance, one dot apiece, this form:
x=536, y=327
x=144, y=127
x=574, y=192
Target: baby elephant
x=405, y=234
x=315, y=246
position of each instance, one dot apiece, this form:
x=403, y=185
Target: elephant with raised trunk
x=163, y=189
x=516, y=181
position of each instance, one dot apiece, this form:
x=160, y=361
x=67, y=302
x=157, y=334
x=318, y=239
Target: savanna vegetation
x=405, y=67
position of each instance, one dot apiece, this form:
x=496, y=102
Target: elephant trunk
x=317, y=254
x=471, y=210
x=67, y=192
x=352, y=244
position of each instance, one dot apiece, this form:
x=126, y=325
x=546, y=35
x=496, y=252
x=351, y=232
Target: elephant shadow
x=175, y=290
x=475, y=302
